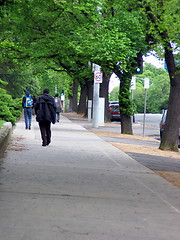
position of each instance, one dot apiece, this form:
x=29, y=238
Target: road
x=151, y=125
x=151, y=128
x=150, y=119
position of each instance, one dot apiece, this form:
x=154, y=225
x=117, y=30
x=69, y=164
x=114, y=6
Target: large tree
x=163, y=25
x=44, y=32
x=113, y=43
x=109, y=33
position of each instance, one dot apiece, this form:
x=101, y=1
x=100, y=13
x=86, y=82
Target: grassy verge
x=1, y=123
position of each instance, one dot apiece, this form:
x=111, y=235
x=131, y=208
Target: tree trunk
x=126, y=124
x=86, y=94
x=90, y=89
x=82, y=102
x=104, y=87
x=125, y=102
x=89, y=84
x=170, y=134
x=169, y=139
x=74, y=97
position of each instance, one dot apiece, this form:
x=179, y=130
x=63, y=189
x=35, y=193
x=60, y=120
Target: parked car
x=162, y=124
x=115, y=112
x=113, y=102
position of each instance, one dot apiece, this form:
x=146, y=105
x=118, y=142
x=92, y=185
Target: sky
x=114, y=81
x=154, y=61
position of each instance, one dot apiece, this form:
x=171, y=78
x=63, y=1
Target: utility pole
x=146, y=86
x=97, y=81
x=133, y=87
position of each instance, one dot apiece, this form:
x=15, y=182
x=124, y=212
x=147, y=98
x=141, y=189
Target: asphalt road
x=150, y=119
x=151, y=128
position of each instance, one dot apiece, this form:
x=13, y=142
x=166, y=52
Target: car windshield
x=115, y=107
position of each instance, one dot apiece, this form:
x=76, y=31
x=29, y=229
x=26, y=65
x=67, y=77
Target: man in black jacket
x=45, y=110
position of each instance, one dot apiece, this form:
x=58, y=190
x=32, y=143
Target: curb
x=5, y=134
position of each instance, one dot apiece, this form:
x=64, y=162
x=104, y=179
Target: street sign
x=97, y=77
x=146, y=83
x=133, y=83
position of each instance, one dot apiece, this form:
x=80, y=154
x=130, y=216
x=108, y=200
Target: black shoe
x=44, y=144
x=29, y=127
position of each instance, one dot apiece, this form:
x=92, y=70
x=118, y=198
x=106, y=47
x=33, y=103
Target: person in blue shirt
x=27, y=104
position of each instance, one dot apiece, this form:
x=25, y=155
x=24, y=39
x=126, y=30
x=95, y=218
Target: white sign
x=146, y=83
x=133, y=83
x=96, y=67
x=97, y=77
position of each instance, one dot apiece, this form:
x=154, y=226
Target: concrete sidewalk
x=81, y=188
x=144, y=150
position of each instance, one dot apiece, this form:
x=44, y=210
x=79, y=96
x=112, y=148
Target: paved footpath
x=81, y=188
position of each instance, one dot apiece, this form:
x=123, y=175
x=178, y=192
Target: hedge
x=10, y=109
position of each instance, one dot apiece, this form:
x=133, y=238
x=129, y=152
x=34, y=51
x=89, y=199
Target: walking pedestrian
x=45, y=110
x=34, y=102
x=58, y=107
x=27, y=104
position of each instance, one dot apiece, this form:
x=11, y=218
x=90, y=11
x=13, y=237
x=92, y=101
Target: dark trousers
x=45, y=129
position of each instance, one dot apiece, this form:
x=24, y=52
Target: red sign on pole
x=97, y=77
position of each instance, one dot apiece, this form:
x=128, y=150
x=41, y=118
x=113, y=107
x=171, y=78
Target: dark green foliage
x=127, y=107
x=18, y=78
x=10, y=109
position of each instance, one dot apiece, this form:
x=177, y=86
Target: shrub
x=16, y=107
x=10, y=109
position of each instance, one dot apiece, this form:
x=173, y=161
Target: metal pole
x=95, y=105
x=89, y=109
x=96, y=68
x=132, y=98
x=132, y=94
x=144, y=119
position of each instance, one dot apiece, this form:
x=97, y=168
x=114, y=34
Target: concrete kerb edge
x=5, y=135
